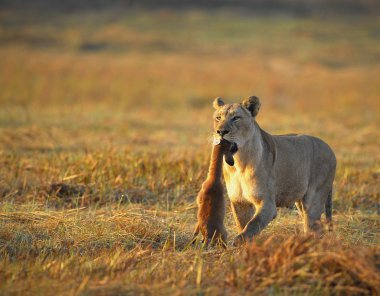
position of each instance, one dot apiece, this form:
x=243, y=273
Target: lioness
x=273, y=171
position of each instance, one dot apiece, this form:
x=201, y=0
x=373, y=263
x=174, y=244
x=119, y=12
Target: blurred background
x=138, y=78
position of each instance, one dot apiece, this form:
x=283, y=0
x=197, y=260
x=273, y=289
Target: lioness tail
x=328, y=210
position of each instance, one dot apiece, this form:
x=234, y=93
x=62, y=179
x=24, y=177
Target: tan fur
x=210, y=199
x=272, y=171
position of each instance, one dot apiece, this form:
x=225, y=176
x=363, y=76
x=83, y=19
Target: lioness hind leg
x=312, y=224
x=328, y=211
x=312, y=208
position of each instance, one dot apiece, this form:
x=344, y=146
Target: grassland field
x=105, y=125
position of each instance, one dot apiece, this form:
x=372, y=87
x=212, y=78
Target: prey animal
x=210, y=199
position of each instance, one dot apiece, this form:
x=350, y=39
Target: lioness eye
x=235, y=118
x=217, y=118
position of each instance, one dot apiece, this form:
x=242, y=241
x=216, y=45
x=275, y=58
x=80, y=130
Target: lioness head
x=235, y=122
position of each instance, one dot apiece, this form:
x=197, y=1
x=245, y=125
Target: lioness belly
x=291, y=186
x=292, y=169
x=286, y=199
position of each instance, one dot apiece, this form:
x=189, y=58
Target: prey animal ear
x=252, y=104
x=218, y=102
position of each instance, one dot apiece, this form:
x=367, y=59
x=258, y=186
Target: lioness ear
x=218, y=102
x=252, y=104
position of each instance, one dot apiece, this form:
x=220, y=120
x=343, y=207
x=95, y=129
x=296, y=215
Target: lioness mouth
x=228, y=155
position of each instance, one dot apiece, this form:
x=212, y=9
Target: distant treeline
x=286, y=6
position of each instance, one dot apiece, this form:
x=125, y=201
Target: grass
x=136, y=250
x=104, y=143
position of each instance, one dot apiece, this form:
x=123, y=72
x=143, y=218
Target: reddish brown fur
x=210, y=199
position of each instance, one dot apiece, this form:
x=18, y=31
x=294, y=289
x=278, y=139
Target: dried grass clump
x=305, y=264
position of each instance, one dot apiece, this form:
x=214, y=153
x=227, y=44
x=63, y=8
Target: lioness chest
x=243, y=186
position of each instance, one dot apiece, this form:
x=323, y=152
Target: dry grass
x=104, y=142
x=136, y=250
x=301, y=263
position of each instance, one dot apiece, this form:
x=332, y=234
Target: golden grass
x=104, y=142
x=135, y=250
x=325, y=264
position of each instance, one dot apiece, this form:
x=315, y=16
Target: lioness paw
x=239, y=240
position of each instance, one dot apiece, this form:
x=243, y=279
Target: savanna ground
x=105, y=124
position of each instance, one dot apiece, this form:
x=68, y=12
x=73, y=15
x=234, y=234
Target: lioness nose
x=222, y=132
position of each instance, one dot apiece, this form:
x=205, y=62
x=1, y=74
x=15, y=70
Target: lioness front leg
x=264, y=214
x=243, y=213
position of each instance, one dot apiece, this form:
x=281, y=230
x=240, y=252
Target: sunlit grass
x=131, y=247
